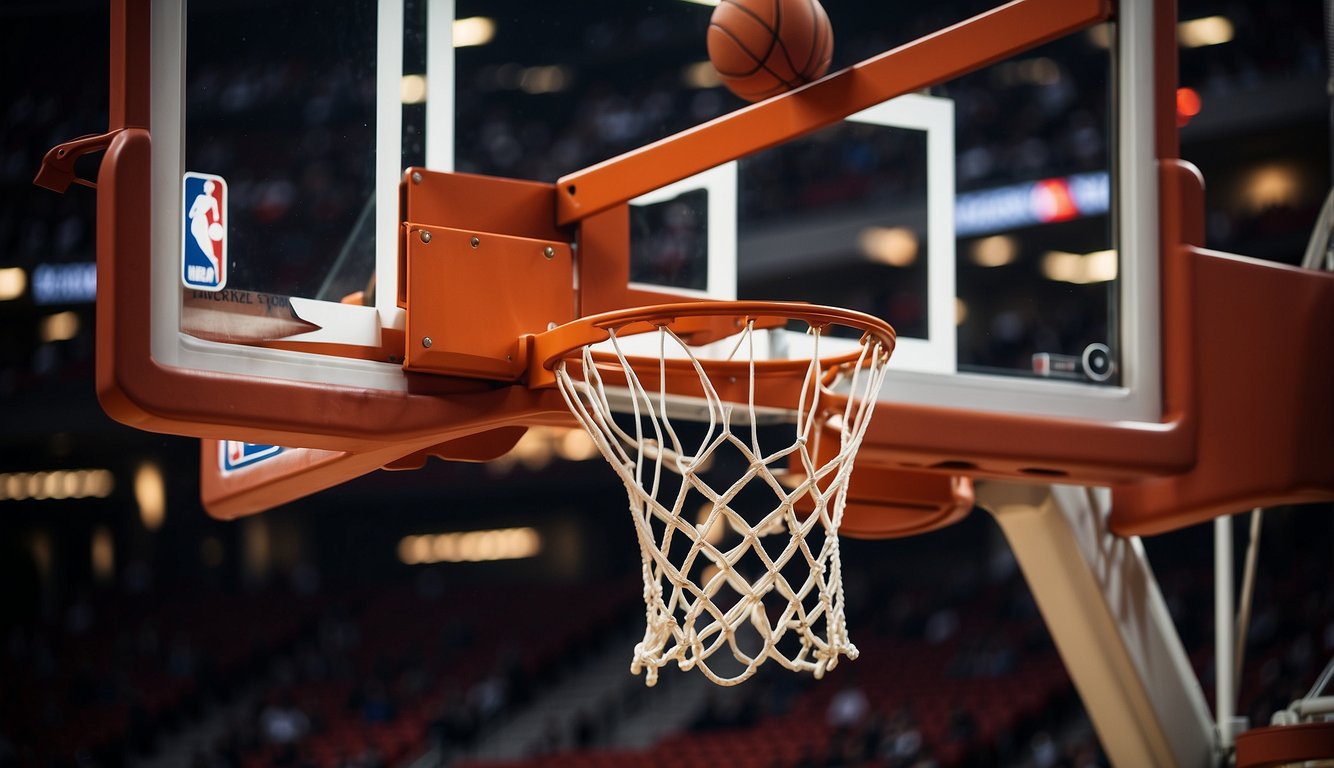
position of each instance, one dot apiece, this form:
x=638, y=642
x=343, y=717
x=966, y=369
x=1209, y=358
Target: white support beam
x=1110, y=624
x=1225, y=696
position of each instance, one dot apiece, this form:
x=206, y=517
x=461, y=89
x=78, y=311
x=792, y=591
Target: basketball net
x=762, y=598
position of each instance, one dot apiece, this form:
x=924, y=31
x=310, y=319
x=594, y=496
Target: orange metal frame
x=1247, y=418
x=971, y=44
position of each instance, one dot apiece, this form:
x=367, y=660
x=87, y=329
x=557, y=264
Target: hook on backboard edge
x=57, y=171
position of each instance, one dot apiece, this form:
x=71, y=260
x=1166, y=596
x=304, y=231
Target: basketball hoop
x=780, y=602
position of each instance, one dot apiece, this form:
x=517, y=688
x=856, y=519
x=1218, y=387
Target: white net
x=745, y=560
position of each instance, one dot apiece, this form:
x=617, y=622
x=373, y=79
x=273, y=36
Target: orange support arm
x=971, y=44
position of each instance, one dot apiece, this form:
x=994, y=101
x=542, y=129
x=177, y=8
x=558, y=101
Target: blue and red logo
x=234, y=454
x=204, y=232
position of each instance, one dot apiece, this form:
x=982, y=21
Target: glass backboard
x=1003, y=220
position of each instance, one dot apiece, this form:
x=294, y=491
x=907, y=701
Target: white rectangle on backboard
x=720, y=184
x=935, y=116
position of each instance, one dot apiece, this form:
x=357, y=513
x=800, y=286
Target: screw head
x=426, y=236
x=426, y=342
x=416, y=177
x=549, y=252
x=476, y=241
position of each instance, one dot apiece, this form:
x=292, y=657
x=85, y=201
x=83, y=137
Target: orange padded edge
x=1263, y=405
x=1250, y=338
x=1285, y=745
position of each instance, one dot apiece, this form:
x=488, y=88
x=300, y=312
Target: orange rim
x=700, y=322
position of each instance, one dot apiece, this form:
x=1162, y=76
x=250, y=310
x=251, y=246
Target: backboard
x=913, y=209
x=998, y=181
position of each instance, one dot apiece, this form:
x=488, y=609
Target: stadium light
x=13, y=282
x=151, y=494
x=61, y=326
x=56, y=485
x=470, y=546
x=1210, y=30
x=1080, y=268
x=895, y=246
x=412, y=89
x=473, y=31
x=994, y=251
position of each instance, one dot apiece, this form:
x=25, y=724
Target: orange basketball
x=764, y=47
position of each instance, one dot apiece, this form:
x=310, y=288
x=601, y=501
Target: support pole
x=1102, y=606
x=1223, y=629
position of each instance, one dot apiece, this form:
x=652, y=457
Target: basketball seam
x=758, y=64
x=773, y=36
x=778, y=40
x=816, y=39
x=782, y=85
x=789, y=85
x=824, y=42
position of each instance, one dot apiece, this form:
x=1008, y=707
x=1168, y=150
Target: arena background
x=135, y=630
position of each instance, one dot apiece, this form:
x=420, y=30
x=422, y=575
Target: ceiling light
x=1100, y=266
x=61, y=326
x=1210, y=30
x=895, y=246
x=576, y=445
x=995, y=251
x=534, y=449
x=412, y=89
x=1271, y=186
x=151, y=494
x=1080, y=269
x=57, y=484
x=470, y=546
x=472, y=31
x=13, y=281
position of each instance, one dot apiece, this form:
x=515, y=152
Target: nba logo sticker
x=234, y=454
x=204, y=232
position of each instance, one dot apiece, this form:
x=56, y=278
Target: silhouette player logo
x=204, y=234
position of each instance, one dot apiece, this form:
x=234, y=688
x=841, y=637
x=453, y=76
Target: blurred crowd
x=953, y=671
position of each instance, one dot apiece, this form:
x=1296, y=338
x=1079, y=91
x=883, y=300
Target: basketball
x=764, y=47
x=215, y=231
